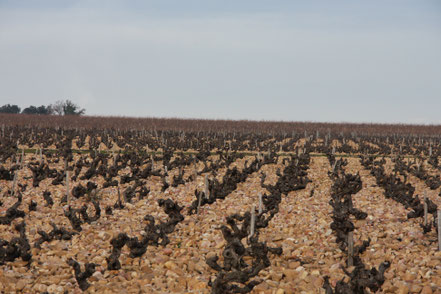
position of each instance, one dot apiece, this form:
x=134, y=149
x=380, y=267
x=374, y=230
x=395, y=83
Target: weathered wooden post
x=439, y=228
x=67, y=186
x=206, y=189
x=350, y=248
x=13, y=183
x=199, y=203
x=253, y=220
x=22, y=158
x=425, y=209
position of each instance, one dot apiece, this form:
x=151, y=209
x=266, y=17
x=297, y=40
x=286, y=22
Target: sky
x=326, y=61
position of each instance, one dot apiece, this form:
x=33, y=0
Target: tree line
x=60, y=107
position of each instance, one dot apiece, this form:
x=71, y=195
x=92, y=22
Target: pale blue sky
x=354, y=61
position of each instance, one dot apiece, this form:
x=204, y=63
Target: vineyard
x=168, y=206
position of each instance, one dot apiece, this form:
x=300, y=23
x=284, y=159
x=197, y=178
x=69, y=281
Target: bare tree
x=66, y=107
x=58, y=107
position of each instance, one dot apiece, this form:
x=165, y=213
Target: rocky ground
x=301, y=228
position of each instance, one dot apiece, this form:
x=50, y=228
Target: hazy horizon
x=320, y=61
x=238, y=120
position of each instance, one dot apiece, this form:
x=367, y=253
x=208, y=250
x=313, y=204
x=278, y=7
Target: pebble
x=40, y=287
x=146, y=269
x=167, y=251
x=426, y=290
x=276, y=276
x=294, y=264
x=408, y=277
x=97, y=276
x=303, y=275
x=52, y=288
x=415, y=288
x=170, y=273
x=290, y=274
x=170, y=265
x=205, y=244
x=403, y=289
x=20, y=285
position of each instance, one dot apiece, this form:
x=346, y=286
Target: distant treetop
x=66, y=107
x=8, y=108
x=37, y=110
x=60, y=107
